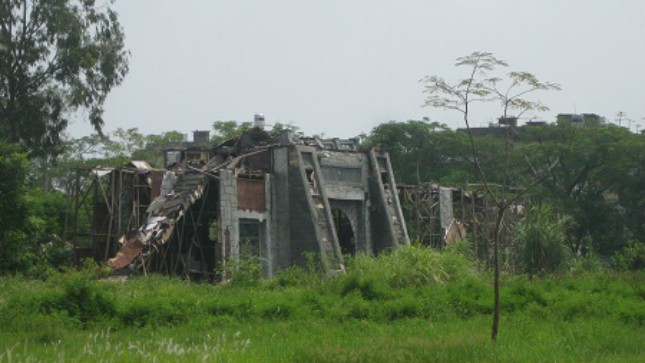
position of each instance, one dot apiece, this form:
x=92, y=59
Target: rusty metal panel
x=250, y=195
x=156, y=176
x=130, y=250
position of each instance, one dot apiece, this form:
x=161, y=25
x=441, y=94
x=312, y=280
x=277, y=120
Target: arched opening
x=344, y=232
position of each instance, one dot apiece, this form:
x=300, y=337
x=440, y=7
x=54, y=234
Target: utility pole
x=619, y=116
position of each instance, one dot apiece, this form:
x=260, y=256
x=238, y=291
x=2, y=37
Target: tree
x=510, y=92
x=31, y=220
x=596, y=177
x=154, y=144
x=225, y=130
x=423, y=151
x=56, y=57
x=13, y=172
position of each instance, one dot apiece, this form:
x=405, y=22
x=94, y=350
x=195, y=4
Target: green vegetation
x=57, y=57
x=583, y=298
x=412, y=304
x=541, y=241
x=31, y=220
x=592, y=175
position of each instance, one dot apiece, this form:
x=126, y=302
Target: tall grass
x=541, y=239
x=411, y=304
x=413, y=266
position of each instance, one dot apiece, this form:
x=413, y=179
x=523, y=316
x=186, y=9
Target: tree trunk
x=496, y=234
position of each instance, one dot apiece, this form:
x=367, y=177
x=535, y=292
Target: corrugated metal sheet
x=250, y=195
x=130, y=250
x=141, y=164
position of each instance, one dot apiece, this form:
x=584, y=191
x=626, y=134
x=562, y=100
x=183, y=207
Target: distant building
x=579, y=120
x=504, y=126
x=196, y=150
x=535, y=123
x=509, y=125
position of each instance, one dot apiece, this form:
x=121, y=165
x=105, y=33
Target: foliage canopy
x=56, y=57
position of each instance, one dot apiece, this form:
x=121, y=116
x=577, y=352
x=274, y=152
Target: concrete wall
x=228, y=216
x=279, y=210
x=302, y=235
x=289, y=223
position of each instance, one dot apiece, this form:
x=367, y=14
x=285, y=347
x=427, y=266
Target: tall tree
x=597, y=177
x=423, y=151
x=511, y=94
x=225, y=130
x=56, y=57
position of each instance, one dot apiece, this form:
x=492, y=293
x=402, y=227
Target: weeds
x=541, y=240
x=631, y=257
x=421, y=292
x=98, y=347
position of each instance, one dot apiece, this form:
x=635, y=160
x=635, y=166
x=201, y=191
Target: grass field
x=410, y=305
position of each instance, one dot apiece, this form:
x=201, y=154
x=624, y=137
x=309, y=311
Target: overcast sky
x=341, y=67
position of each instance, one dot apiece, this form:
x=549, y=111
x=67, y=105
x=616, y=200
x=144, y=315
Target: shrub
x=469, y=297
x=245, y=272
x=276, y=310
x=589, y=262
x=631, y=257
x=82, y=298
x=541, y=240
x=235, y=308
x=522, y=294
x=296, y=276
x=154, y=313
x=368, y=287
x=412, y=266
x=406, y=307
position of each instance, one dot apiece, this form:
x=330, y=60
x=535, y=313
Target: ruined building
x=274, y=197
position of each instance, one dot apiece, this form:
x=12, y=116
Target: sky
x=342, y=67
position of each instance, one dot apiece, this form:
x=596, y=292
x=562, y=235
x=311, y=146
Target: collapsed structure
x=272, y=197
x=438, y=216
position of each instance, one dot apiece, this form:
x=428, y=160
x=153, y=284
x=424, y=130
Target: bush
x=412, y=266
x=541, y=240
x=296, y=276
x=278, y=310
x=154, y=313
x=369, y=288
x=82, y=298
x=406, y=307
x=631, y=257
x=470, y=297
x=589, y=262
x=245, y=272
x=521, y=294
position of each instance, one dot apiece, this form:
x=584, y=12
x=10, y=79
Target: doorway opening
x=344, y=232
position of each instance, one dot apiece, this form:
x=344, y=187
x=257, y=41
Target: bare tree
x=511, y=94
